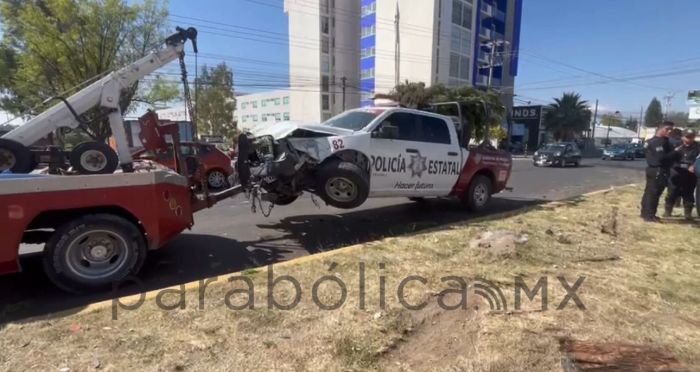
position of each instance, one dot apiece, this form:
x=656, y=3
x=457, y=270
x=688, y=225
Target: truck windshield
x=353, y=120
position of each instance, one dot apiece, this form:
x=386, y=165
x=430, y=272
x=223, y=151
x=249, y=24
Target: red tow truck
x=97, y=229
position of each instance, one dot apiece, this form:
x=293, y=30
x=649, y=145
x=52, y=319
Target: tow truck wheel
x=92, y=252
x=94, y=158
x=342, y=184
x=15, y=157
x=478, y=194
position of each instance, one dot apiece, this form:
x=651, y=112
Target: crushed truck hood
x=285, y=129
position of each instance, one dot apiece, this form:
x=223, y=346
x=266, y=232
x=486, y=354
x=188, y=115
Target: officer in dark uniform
x=682, y=182
x=660, y=156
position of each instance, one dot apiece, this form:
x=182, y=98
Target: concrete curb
x=148, y=296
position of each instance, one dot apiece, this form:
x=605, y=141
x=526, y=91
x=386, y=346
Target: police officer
x=682, y=182
x=659, y=155
x=696, y=169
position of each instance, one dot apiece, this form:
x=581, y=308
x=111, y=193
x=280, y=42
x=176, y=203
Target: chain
x=188, y=96
x=255, y=197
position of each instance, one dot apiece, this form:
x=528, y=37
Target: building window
x=367, y=74
x=255, y=104
x=367, y=52
x=459, y=66
x=263, y=103
x=462, y=13
x=369, y=9
x=324, y=6
x=325, y=103
x=325, y=84
x=286, y=116
x=278, y=116
x=325, y=25
x=461, y=41
x=368, y=31
x=325, y=64
x=277, y=101
x=285, y=100
x=325, y=48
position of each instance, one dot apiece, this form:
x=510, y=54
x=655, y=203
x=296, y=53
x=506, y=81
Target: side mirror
x=386, y=131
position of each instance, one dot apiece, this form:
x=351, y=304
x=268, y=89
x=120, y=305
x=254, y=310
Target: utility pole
x=641, y=120
x=668, y=99
x=397, y=47
x=492, y=57
x=343, y=80
x=595, y=118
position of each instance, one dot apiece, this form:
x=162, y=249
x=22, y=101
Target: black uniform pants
x=681, y=184
x=657, y=179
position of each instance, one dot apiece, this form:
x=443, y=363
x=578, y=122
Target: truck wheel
x=92, y=252
x=342, y=184
x=94, y=158
x=15, y=157
x=478, y=194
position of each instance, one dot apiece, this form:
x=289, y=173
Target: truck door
x=418, y=157
x=443, y=155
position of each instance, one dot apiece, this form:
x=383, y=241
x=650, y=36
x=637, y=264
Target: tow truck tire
x=93, y=252
x=15, y=157
x=479, y=194
x=94, y=158
x=342, y=184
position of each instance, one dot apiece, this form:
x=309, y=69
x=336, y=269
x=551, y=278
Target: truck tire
x=94, y=158
x=15, y=157
x=93, y=252
x=478, y=194
x=342, y=184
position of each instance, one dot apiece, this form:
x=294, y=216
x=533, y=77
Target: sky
x=592, y=47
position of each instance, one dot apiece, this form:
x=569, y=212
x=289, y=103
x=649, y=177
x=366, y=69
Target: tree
x=631, y=124
x=483, y=108
x=158, y=93
x=567, y=117
x=654, y=114
x=52, y=47
x=679, y=118
x=610, y=120
x=217, y=102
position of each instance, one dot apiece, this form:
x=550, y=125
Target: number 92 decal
x=338, y=144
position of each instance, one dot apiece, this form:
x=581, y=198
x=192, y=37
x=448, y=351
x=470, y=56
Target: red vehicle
x=216, y=165
x=97, y=229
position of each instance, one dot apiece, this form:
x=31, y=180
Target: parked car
x=216, y=164
x=558, y=154
x=619, y=151
x=638, y=150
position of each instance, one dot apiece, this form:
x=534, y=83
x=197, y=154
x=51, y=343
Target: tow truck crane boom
x=104, y=92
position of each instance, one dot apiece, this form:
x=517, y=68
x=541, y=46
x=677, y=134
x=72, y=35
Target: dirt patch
x=589, y=356
x=442, y=331
x=499, y=243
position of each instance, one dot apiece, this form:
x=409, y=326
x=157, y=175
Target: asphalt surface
x=229, y=238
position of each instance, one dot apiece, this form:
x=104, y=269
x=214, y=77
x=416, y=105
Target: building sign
x=526, y=114
x=694, y=113
x=694, y=98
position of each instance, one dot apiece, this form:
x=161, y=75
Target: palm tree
x=567, y=116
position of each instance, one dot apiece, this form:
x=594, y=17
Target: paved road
x=228, y=238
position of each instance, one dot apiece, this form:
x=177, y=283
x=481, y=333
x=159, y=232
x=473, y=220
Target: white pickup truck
x=374, y=152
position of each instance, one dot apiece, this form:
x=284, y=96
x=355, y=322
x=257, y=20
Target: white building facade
x=376, y=43
x=324, y=59
x=258, y=108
